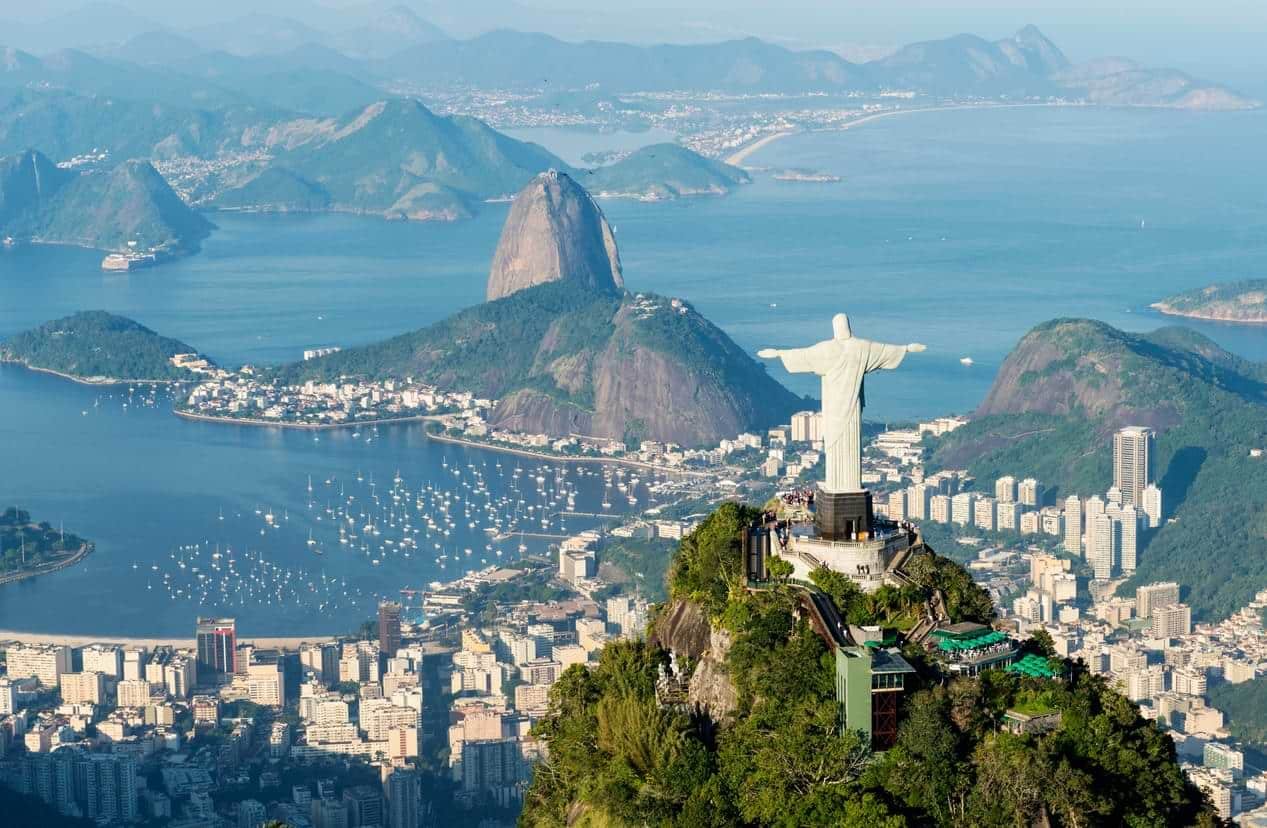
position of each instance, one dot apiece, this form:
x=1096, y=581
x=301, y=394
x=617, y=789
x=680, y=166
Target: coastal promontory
x=98, y=347
x=128, y=208
x=1244, y=302
x=566, y=350
x=1071, y=383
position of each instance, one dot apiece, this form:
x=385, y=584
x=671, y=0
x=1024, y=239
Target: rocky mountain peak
x=555, y=232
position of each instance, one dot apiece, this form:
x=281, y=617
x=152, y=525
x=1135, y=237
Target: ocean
x=958, y=229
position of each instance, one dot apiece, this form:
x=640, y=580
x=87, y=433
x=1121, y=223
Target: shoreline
x=538, y=455
x=251, y=421
x=47, y=569
x=93, y=381
x=739, y=156
x=1169, y=310
x=78, y=640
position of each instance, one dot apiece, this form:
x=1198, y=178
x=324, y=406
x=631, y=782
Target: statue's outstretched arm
x=811, y=360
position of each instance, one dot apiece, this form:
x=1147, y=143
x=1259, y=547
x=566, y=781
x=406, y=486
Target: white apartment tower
x=1073, y=524
x=1132, y=463
x=1152, y=505
x=917, y=497
x=1005, y=489
x=961, y=508
x=1029, y=492
x=1102, y=545
x=1129, y=533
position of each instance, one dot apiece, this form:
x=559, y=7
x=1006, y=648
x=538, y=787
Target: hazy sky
x=1222, y=39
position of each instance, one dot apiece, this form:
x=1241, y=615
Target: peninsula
x=101, y=348
x=129, y=211
x=28, y=549
x=565, y=349
x=1243, y=302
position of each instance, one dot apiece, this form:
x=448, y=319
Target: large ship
x=128, y=261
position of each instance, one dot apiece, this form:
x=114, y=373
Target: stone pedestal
x=843, y=516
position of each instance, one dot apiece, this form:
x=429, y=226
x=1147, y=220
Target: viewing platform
x=866, y=560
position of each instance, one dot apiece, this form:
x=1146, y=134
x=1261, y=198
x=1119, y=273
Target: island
x=100, y=348
x=128, y=211
x=1243, y=302
x=805, y=175
x=28, y=549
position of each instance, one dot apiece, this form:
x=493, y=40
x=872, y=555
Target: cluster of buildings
x=124, y=733
x=245, y=396
x=1149, y=648
x=498, y=680
x=1105, y=530
x=201, y=734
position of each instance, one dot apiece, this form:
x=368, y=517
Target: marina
x=271, y=524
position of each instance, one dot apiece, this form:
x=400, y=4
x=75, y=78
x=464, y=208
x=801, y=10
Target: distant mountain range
x=399, y=159
x=280, y=62
x=128, y=206
x=1070, y=383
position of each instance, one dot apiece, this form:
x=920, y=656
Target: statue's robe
x=843, y=364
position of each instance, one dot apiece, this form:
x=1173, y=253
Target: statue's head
x=840, y=326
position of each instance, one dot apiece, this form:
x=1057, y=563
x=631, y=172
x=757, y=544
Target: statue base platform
x=843, y=516
x=866, y=562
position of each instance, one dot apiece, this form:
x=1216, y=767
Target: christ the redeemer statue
x=842, y=361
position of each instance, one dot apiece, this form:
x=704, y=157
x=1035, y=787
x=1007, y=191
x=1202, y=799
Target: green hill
x=1245, y=706
x=664, y=171
x=276, y=189
x=397, y=158
x=127, y=206
x=97, y=346
x=762, y=743
x=1070, y=383
x=1244, y=301
x=565, y=360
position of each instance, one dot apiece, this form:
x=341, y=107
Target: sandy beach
x=738, y=157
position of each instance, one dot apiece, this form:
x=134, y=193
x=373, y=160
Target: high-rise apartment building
x=404, y=798
x=939, y=509
x=1153, y=596
x=106, y=659
x=266, y=684
x=320, y=661
x=1073, y=525
x=46, y=662
x=1005, y=489
x=83, y=688
x=917, y=497
x=1152, y=505
x=217, y=640
x=1007, y=516
x=1171, y=621
x=1132, y=463
x=133, y=693
x=807, y=426
x=1129, y=519
x=389, y=627
x=983, y=514
x=961, y=508
x=1029, y=492
x=1102, y=545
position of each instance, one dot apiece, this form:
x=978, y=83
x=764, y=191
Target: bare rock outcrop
x=555, y=232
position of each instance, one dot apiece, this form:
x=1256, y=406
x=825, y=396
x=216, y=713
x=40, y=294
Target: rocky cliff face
x=663, y=373
x=555, y=232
